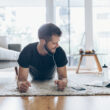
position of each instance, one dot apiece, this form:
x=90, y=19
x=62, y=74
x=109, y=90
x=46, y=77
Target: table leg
x=98, y=63
x=77, y=71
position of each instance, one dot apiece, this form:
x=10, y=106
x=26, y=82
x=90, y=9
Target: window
x=101, y=28
x=20, y=24
x=70, y=17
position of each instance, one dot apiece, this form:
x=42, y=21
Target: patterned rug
x=77, y=86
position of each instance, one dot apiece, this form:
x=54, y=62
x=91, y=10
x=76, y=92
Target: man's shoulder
x=60, y=57
x=30, y=46
x=59, y=49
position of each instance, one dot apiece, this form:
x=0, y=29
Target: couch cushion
x=6, y=54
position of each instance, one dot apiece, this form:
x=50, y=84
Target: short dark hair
x=47, y=30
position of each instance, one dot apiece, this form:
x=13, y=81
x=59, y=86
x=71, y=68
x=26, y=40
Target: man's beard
x=54, y=50
x=49, y=51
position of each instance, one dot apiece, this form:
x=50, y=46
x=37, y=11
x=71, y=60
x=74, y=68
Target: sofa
x=9, y=53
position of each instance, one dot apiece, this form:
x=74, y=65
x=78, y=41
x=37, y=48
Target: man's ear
x=42, y=49
x=43, y=42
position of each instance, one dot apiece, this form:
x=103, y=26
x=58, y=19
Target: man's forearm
x=23, y=74
x=65, y=79
x=22, y=83
x=22, y=78
x=62, y=73
x=62, y=76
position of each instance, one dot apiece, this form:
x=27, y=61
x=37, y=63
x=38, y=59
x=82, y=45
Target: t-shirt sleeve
x=60, y=57
x=24, y=57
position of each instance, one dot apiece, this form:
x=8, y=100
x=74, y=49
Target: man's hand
x=23, y=86
x=61, y=84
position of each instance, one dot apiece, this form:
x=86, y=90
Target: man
x=42, y=58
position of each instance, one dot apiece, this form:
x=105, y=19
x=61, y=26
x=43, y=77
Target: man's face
x=53, y=43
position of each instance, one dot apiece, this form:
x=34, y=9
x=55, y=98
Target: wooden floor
x=53, y=102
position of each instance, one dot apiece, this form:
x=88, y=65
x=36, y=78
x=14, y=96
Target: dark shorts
x=44, y=75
